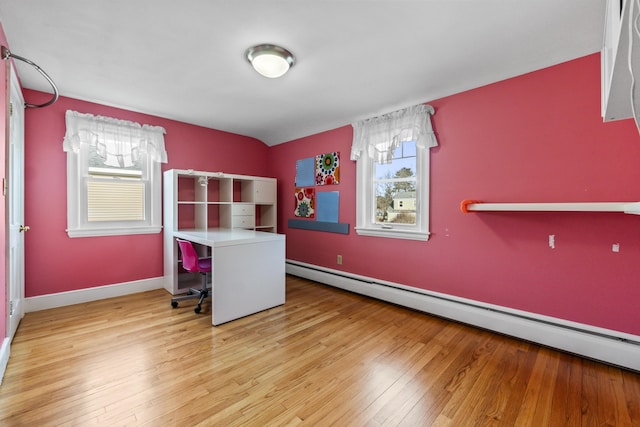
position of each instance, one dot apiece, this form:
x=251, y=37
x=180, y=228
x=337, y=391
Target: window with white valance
x=113, y=176
x=392, y=154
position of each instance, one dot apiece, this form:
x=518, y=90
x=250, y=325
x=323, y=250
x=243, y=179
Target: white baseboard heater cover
x=605, y=345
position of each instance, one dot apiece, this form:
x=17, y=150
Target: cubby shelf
x=199, y=200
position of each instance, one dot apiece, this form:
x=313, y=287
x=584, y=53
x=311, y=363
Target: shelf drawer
x=243, y=209
x=243, y=221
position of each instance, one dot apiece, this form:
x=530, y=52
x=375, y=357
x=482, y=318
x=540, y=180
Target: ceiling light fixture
x=270, y=60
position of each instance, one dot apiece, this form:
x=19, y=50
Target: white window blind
x=115, y=201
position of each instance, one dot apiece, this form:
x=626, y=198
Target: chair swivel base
x=201, y=294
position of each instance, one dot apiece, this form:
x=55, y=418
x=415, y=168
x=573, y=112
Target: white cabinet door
x=264, y=191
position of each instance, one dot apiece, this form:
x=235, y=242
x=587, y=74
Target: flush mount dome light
x=270, y=60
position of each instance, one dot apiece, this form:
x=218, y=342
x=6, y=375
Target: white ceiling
x=356, y=59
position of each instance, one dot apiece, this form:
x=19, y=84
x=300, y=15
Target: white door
x=15, y=208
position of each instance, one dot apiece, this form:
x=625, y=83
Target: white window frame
x=366, y=203
x=376, y=139
x=78, y=224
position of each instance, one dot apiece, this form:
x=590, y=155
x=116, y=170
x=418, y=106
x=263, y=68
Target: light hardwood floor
x=327, y=357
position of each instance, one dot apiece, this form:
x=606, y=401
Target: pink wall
x=534, y=138
x=4, y=94
x=538, y=137
x=57, y=263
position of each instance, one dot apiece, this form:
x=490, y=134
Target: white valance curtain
x=119, y=142
x=378, y=137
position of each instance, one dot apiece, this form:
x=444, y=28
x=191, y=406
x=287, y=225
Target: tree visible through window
x=395, y=187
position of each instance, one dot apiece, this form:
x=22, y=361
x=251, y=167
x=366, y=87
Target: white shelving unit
x=200, y=200
x=626, y=207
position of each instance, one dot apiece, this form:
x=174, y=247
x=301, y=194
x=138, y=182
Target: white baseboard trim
x=605, y=345
x=5, y=352
x=43, y=302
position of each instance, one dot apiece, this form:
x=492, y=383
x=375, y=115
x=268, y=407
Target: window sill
x=393, y=233
x=101, y=232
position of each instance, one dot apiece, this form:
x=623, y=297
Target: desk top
x=217, y=237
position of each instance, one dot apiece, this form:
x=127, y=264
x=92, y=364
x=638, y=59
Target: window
x=392, y=152
x=113, y=176
x=394, y=186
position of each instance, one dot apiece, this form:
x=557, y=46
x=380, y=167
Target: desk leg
x=247, y=278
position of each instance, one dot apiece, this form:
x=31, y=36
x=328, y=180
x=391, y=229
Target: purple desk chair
x=194, y=264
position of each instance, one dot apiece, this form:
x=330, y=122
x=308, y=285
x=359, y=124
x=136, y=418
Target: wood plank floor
x=327, y=357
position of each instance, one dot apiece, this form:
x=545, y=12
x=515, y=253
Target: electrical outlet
x=339, y=260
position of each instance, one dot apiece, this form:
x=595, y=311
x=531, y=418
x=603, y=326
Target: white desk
x=248, y=270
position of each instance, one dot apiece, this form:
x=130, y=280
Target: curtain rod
x=6, y=54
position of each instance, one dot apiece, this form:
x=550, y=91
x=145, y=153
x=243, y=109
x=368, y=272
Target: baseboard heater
x=605, y=345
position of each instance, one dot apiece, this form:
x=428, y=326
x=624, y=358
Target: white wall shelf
x=625, y=207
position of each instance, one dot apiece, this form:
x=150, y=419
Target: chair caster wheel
x=174, y=304
x=197, y=309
